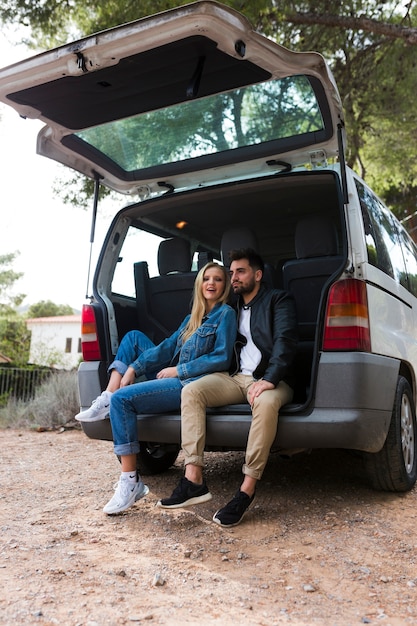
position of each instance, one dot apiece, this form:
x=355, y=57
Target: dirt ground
x=317, y=547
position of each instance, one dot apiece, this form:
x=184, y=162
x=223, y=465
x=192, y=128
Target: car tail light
x=347, y=317
x=89, y=340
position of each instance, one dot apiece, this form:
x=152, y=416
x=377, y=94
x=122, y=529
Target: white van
x=222, y=138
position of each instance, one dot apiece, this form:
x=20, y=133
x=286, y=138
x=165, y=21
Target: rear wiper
x=194, y=84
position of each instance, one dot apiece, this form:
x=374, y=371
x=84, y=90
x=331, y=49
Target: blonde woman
x=202, y=344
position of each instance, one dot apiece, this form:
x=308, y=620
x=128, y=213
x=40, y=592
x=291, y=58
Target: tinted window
x=280, y=109
x=390, y=248
x=410, y=255
x=381, y=236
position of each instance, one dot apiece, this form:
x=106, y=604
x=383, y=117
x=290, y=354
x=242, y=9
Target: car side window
x=381, y=235
x=410, y=256
x=137, y=246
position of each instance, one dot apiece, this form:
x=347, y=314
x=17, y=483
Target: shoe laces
x=122, y=487
x=181, y=487
x=101, y=402
x=238, y=500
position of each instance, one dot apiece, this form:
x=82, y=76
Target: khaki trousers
x=220, y=389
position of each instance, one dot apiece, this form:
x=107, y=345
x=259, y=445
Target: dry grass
x=55, y=404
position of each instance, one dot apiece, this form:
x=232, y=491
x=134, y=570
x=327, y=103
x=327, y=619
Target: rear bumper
x=351, y=409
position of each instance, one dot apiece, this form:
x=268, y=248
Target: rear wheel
x=394, y=468
x=155, y=458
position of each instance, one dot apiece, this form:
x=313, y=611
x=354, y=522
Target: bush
x=55, y=403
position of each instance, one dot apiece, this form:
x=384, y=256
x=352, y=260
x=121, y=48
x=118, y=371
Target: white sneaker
x=99, y=409
x=125, y=496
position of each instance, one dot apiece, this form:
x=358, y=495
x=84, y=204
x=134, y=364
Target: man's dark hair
x=254, y=259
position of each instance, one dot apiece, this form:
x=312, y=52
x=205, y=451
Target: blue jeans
x=131, y=346
x=148, y=396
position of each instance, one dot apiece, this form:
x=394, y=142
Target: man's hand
x=168, y=372
x=257, y=388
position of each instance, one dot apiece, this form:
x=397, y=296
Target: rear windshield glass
x=260, y=113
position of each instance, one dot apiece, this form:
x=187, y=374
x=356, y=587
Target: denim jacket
x=209, y=349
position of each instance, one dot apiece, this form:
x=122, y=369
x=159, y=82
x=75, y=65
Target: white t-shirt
x=250, y=356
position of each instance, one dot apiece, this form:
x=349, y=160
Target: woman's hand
x=168, y=372
x=128, y=378
x=257, y=388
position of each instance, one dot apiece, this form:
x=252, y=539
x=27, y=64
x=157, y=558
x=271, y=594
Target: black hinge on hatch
x=97, y=178
x=342, y=161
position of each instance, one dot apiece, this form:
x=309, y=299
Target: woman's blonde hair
x=198, y=309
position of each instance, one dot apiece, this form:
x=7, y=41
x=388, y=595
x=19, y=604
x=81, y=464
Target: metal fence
x=21, y=383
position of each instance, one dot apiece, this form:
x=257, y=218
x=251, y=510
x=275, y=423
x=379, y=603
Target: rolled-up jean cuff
x=194, y=460
x=123, y=449
x=119, y=366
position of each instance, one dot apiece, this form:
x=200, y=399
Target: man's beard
x=241, y=289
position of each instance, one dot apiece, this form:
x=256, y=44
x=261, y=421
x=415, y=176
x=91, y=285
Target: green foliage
x=370, y=46
x=14, y=339
x=14, y=336
x=51, y=23
x=257, y=114
x=55, y=22
x=8, y=301
x=78, y=190
x=391, y=136
x=47, y=308
x=374, y=68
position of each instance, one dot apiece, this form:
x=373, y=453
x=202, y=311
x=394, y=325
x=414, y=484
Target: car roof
x=181, y=99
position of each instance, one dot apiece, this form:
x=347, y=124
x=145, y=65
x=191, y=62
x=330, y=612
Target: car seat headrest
x=236, y=238
x=315, y=236
x=174, y=255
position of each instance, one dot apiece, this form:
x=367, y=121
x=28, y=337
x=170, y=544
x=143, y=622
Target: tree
x=370, y=46
x=47, y=308
x=14, y=339
x=14, y=336
x=371, y=49
x=9, y=301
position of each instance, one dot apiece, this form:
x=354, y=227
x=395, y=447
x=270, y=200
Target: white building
x=55, y=341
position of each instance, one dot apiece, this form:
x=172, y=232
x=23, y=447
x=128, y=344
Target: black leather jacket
x=273, y=325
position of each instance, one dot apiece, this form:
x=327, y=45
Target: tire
x=156, y=458
x=394, y=468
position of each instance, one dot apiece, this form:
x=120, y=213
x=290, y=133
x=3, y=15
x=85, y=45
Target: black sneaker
x=186, y=493
x=232, y=514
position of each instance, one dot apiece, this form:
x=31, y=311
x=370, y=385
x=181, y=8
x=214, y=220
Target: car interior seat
x=163, y=301
x=243, y=237
x=318, y=257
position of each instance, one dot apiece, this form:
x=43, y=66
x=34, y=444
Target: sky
x=52, y=239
